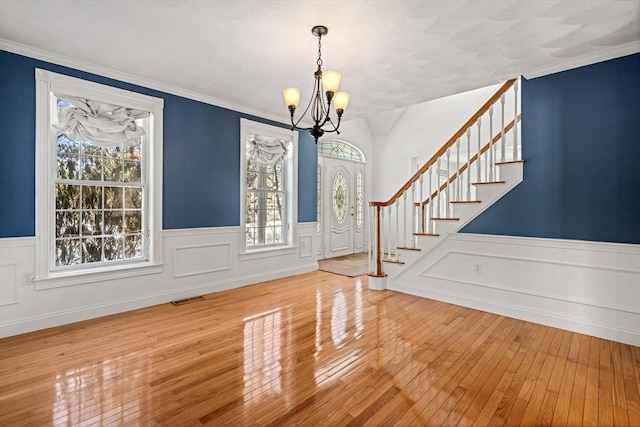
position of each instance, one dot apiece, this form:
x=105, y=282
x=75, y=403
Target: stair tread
x=435, y=218
x=426, y=234
x=407, y=248
x=509, y=162
x=467, y=201
x=392, y=261
x=488, y=182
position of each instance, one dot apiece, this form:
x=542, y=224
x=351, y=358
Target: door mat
x=349, y=265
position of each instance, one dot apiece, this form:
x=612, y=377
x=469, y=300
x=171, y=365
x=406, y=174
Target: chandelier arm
x=295, y=125
x=335, y=127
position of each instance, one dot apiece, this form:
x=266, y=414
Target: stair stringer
x=488, y=194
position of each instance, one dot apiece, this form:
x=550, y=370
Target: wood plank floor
x=315, y=349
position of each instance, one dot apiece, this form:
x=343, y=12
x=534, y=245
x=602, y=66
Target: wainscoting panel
x=201, y=259
x=587, y=287
x=9, y=283
x=306, y=246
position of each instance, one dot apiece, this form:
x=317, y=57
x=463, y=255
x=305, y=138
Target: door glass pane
x=340, y=196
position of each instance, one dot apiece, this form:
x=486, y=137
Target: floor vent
x=187, y=300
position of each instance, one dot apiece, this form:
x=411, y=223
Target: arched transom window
x=340, y=150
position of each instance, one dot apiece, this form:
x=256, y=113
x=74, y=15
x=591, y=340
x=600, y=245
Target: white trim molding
x=587, y=287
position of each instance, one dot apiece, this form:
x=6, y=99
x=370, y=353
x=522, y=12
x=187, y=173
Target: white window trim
x=247, y=128
x=47, y=82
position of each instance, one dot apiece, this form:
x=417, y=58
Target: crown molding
x=583, y=60
x=77, y=64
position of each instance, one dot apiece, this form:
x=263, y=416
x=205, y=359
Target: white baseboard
x=587, y=287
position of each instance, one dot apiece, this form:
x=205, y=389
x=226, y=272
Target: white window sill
x=268, y=252
x=81, y=277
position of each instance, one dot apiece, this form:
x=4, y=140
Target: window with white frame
x=269, y=176
x=99, y=155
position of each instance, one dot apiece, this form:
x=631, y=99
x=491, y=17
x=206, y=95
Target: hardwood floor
x=315, y=349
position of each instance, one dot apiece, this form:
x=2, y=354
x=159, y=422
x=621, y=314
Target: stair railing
x=456, y=187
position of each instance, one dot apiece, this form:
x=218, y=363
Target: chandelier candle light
x=327, y=82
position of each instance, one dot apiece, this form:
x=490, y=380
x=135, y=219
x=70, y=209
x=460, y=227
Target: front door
x=343, y=210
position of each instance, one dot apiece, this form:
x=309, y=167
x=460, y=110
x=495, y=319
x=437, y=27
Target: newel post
x=378, y=279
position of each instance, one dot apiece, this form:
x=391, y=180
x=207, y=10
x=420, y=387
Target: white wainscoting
x=197, y=262
x=201, y=259
x=587, y=287
x=9, y=283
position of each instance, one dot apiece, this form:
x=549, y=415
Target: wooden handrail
x=416, y=176
x=463, y=168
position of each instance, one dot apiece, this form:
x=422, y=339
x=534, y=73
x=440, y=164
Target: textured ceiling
x=392, y=53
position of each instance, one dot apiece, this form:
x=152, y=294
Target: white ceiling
x=392, y=53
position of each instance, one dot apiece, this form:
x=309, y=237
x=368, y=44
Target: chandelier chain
x=319, y=62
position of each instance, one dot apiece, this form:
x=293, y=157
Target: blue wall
x=201, y=155
x=581, y=146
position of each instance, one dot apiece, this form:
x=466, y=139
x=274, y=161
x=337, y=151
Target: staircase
x=478, y=165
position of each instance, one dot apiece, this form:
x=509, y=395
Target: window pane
x=340, y=149
x=112, y=170
x=132, y=171
x=133, y=246
x=113, y=197
x=113, y=152
x=90, y=149
x=113, y=222
x=67, y=196
x=133, y=197
x=91, y=249
x=359, y=196
x=113, y=248
x=340, y=196
x=133, y=221
x=92, y=168
x=133, y=153
x=67, y=252
x=252, y=179
x=91, y=222
x=67, y=224
x=91, y=197
x=67, y=158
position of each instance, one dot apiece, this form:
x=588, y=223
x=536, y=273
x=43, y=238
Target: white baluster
x=389, y=240
x=404, y=220
x=414, y=222
x=469, y=164
x=491, y=165
x=447, y=195
x=438, y=188
x=430, y=215
x=422, y=225
x=478, y=163
x=502, y=140
x=515, y=120
x=397, y=239
x=458, y=187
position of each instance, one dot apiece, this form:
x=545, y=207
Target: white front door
x=343, y=210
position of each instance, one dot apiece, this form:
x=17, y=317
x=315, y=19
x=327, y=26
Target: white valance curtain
x=103, y=124
x=267, y=151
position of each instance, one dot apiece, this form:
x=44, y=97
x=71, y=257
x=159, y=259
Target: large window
x=268, y=174
x=99, y=154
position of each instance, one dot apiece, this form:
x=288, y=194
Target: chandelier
x=324, y=81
